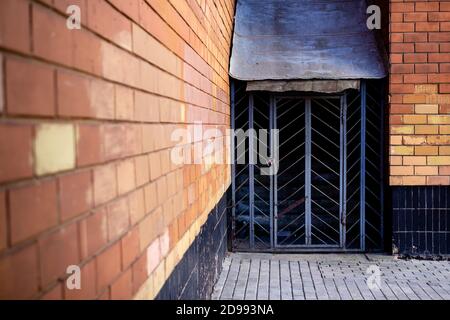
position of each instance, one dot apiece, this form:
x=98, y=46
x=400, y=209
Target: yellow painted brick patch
x=54, y=148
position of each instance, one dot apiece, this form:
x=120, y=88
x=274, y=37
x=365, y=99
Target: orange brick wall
x=85, y=123
x=420, y=92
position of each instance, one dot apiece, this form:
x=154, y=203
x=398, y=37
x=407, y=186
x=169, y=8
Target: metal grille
x=328, y=191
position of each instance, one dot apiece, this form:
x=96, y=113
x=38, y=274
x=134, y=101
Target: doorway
x=326, y=193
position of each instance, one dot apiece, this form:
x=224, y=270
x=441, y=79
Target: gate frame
x=273, y=185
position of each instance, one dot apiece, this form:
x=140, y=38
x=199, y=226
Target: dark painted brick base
x=421, y=220
x=196, y=273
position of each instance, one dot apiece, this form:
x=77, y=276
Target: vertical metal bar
x=308, y=171
x=382, y=173
x=362, y=186
x=272, y=146
x=233, y=166
x=343, y=173
x=251, y=166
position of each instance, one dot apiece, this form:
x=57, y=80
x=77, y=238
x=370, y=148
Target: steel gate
x=326, y=193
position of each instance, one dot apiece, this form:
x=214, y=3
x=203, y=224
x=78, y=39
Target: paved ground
x=331, y=276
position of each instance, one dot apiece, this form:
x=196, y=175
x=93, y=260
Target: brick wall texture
x=85, y=134
x=419, y=92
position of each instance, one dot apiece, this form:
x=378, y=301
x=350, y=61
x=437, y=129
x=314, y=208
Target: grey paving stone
x=330, y=276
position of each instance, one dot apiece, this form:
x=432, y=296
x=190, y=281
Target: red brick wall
x=420, y=92
x=85, y=123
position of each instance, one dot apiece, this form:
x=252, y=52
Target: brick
x=76, y=194
x=146, y=107
x=436, y=181
x=444, y=88
x=118, y=218
x=402, y=129
x=414, y=160
x=426, y=68
x=88, y=289
x=415, y=37
x=427, y=6
x=402, y=170
x=438, y=140
x=426, y=26
x=89, y=144
x=14, y=25
x=402, y=150
x=136, y=204
x=29, y=88
x=19, y=274
x=426, y=170
x=415, y=78
x=105, y=187
x=150, y=227
x=439, y=57
x=139, y=270
x=3, y=222
x=33, y=209
x=126, y=179
x=122, y=288
x=54, y=148
x=57, y=251
x=439, y=16
x=142, y=170
x=402, y=47
x=105, y=20
x=402, y=7
x=155, y=166
x=108, y=266
x=438, y=119
x=426, y=129
x=53, y=294
x=154, y=256
x=15, y=152
x=401, y=108
x=94, y=232
x=101, y=99
x=52, y=40
x=128, y=7
x=438, y=160
x=130, y=247
x=414, y=140
x=73, y=95
x=114, y=141
x=444, y=150
x=426, y=108
x=444, y=170
x=124, y=103
x=425, y=150
x=415, y=16
x=413, y=181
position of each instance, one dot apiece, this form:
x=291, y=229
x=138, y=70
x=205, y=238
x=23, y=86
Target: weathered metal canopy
x=304, y=39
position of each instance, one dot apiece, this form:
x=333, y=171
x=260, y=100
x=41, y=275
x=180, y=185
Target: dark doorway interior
x=330, y=162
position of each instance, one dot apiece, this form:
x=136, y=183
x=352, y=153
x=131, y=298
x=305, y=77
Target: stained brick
x=105, y=187
x=94, y=232
x=118, y=218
